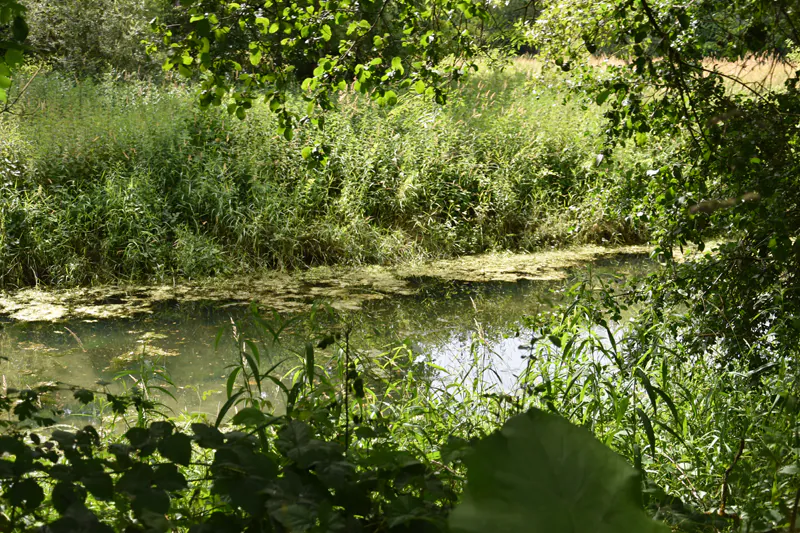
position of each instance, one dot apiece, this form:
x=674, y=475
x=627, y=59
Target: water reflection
x=458, y=326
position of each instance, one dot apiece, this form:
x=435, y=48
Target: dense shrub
x=131, y=181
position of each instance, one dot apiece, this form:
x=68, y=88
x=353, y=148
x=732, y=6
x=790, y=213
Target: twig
x=74, y=336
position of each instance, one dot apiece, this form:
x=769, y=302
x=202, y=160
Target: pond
x=446, y=313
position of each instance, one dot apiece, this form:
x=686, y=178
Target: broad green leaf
x=5, y=82
x=155, y=500
x=138, y=437
x=99, y=484
x=177, y=448
x=26, y=493
x=249, y=416
x=602, y=97
x=208, y=436
x=167, y=477
x=13, y=57
x=65, y=495
x=541, y=474
x=326, y=32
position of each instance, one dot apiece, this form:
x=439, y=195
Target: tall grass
x=131, y=181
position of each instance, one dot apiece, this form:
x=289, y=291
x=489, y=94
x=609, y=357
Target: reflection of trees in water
x=444, y=323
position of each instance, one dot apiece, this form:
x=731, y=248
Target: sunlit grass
x=131, y=181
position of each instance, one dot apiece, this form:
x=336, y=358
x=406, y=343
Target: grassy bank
x=127, y=181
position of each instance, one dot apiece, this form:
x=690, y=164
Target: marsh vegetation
x=337, y=266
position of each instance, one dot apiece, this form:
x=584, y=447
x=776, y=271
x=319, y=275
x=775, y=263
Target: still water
x=448, y=323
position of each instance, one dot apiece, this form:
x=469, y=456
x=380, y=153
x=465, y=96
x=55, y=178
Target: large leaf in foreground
x=541, y=474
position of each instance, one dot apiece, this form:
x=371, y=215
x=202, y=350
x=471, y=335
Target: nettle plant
x=348, y=452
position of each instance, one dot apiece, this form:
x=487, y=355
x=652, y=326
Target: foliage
x=714, y=436
x=87, y=39
x=13, y=32
x=244, y=50
x=109, y=181
x=344, y=455
x=540, y=473
x=737, y=173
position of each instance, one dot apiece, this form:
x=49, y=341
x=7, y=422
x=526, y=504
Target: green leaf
x=391, y=97
x=232, y=381
x=13, y=57
x=648, y=429
x=20, y=29
x=326, y=32
x=3, y=96
x=274, y=27
x=177, y=448
x=5, y=82
x=99, y=484
x=249, y=416
x=306, y=152
x=65, y=495
x=138, y=437
x=310, y=363
x=419, y=86
x=84, y=396
x=167, y=477
x=26, y=493
x=541, y=474
x=230, y=402
x=602, y=97
x=208, y=436
x=556, y=340
x=155, y=500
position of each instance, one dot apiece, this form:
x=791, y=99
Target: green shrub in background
x=111, y=181
x=94, y=38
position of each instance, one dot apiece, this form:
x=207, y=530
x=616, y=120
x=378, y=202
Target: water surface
x=449, y=322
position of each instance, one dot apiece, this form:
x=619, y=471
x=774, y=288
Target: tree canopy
x=242, y=51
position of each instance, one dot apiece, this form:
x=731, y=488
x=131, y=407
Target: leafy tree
x=737, y=176
x=13, y=32
x=241, y=51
